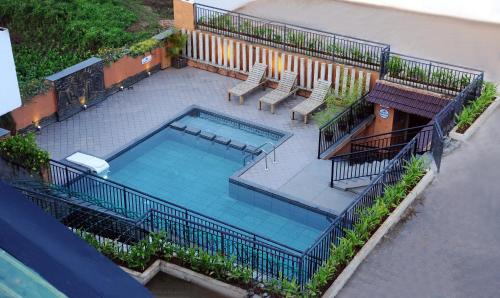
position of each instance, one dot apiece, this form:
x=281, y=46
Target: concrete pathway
x=455, y=41
x=449, y=246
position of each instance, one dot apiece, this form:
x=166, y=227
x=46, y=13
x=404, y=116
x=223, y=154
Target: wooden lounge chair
x=314, y=101
x=256, y=78
x=286, y=87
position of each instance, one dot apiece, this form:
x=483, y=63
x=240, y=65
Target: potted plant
x=176, y=43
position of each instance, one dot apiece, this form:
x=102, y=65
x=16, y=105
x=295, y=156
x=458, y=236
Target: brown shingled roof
x=408, y=100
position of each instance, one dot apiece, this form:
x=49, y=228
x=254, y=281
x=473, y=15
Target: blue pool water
x=194, y=172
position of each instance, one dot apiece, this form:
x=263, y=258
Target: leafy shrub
x=395, y=66
x=110, y=55
x=471, y=112
x=141, y=254
x=369, y=220
x=176, y=43
x=24, y=151
x=144, y=46
x=50, y=35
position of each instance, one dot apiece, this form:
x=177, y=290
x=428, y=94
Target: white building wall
x=10, y=98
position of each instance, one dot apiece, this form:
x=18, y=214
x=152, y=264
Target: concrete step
x=351, y=183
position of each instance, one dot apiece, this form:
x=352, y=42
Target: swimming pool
x=190, y=162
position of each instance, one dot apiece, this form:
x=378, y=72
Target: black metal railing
x=445, y=120
x=343, y=124
x=396, y=137
x=264, y=260
x=311, y=42
x=360, y=164
x=275, y=259
x=319, y=252
x=426, y=74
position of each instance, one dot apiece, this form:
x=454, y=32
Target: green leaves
x=369, y=220
x=157, y=245
x=24, y=151
x=471, y=112
x=50, y=35
x=144, y=46
x=176, y=43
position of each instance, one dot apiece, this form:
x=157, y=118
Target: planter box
x=128, y=66
x=188, y=275
x=382, y=230
x=14, y=172
x=179, y=62
x=474, y=127
x=38, y=108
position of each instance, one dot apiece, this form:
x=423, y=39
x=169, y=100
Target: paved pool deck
x=128, y=115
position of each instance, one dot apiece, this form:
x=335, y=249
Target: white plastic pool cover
x=94, y=164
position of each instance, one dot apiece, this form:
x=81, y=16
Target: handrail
x=322, y=44
x=261, y=147
x=281, y=23
x=343, y=123
x=392, y=132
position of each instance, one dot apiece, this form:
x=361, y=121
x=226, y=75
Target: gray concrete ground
x=449, y=246
x=455, y=41
x=131, y=114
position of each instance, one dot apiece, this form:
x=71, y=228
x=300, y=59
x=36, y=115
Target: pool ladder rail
x=266, y=153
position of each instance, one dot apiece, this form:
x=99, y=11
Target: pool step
x=216, y=138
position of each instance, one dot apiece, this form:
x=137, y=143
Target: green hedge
x=140, y=255
x=24, y=151
x=471, y=112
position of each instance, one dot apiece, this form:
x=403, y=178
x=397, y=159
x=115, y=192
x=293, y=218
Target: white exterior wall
x=10, y=98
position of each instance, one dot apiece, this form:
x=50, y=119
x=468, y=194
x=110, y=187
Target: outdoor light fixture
x=84, y=106
x=37, y=125
x=121, y=88
x=149, y=73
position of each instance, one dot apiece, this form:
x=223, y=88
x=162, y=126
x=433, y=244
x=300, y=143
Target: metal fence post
x=429, y=75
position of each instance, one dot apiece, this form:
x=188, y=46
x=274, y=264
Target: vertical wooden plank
x=231, y=53
x=316, y=71
x=195, y=47
x=250, y=57
x=257, y=54
x=289, y=63
x=264, y=56
x=238, y=57
x=189, y=45
x=353, y=78
x=200, y=47
x=323, y=71
x=309, y=74
x=296, y=64
x=219, y=51
x=224, y=53
x=282, y=66
x=337, y=80
x=368, y=81
x=207, y=48
x=302, y=72
x=360, y=82
x=330, y=73
x=344, y=81
x=244, y=57
x=270, y=64
x=276, y=70
x=184, y=49
x=214, y=50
